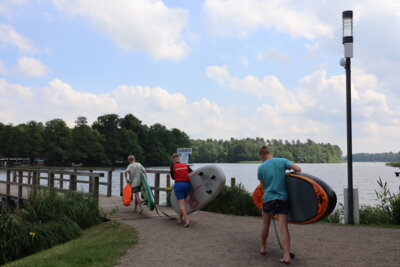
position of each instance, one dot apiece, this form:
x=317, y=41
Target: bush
x=234, y=200
x=335, y=216
x=374, y=215
x=48, y=219
x=395, y=203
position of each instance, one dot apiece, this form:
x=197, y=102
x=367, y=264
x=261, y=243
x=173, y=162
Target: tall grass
x=48, y=219
x=234, y=200
x=388, y=209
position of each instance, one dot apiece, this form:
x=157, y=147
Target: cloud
x=316, y=108
x=240, y=17
x=135, y=25
x=274, y=55
x=12, y=100
x=31, y=67
x=9, y=35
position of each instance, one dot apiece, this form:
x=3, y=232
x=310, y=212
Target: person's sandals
x=285, y=262
x=186, y=225
x=141, y=212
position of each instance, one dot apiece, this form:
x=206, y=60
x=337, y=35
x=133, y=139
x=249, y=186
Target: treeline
x=108, y=141
x=380, y=157
x=237, y=150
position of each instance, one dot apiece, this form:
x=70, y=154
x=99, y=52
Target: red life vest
x=181, y=172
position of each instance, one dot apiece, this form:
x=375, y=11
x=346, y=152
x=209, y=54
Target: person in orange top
x=180, y=173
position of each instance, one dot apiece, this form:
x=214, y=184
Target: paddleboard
x=127, y=195
x=206, y=182
x=310, y=198
x=146, y=191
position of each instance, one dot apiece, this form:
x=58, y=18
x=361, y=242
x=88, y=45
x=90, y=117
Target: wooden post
x=109, y=183
x=96, y=187
x=20, y=182
x=8, y=189
x=91, y=183
x=61, y=180
x=72, y=182
x=50, y=181
x=121, y=184
x=34, y=180
x=156, y=188
x=233, y=182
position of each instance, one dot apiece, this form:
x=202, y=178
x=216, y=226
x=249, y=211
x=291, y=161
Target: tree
x=57, y=140
x=87, y=145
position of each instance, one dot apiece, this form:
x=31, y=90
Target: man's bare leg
x=283, y=225
x=266, y=221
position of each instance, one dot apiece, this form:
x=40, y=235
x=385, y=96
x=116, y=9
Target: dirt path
x=223, y=240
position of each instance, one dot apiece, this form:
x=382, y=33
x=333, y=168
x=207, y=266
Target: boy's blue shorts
x=181, y=190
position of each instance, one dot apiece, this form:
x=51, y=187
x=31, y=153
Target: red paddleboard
x=127, y=195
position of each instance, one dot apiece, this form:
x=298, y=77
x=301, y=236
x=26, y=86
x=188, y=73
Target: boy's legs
x=183, y=213
x=266, y=221
x=283, y=225
x=137, y=202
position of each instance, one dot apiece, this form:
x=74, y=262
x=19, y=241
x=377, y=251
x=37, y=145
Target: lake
x=365, y=176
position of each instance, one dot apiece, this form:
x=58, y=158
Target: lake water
x=365, y=176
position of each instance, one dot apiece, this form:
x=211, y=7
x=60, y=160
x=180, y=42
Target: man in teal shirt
x=271, y=174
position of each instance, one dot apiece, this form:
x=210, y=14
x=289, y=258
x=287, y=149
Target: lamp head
x=347, y=17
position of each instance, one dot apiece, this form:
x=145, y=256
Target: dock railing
x=32, y=177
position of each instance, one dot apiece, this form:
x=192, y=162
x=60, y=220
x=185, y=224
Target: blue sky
x=213, y=68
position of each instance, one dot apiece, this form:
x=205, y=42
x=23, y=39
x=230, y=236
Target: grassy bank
x=100, y=245
x=393, y=164
x=48, y=219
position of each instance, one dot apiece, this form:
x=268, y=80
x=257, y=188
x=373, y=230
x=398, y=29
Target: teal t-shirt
x=272, y=171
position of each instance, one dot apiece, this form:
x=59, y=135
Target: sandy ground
x=224, y=240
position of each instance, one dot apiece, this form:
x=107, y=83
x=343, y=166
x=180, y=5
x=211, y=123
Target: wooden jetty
x=21, y=180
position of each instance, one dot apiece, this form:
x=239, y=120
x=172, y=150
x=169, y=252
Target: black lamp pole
x=348, y=53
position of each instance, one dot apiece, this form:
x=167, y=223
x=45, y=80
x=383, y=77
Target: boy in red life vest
x=180, y=173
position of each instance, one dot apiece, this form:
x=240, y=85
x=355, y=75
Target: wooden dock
x=14, y=190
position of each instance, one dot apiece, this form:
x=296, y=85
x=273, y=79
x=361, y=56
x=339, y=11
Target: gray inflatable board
x=206, y=182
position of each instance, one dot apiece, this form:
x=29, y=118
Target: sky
x=213, y=69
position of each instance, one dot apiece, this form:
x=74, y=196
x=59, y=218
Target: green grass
x=393, y=164
x=100, y=245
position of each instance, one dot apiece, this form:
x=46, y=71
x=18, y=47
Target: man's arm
x=262, y=183
x=295, y=167
x=171, y=170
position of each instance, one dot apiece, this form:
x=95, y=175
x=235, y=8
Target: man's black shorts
x=276, y=207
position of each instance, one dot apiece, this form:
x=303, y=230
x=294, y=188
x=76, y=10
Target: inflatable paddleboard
x=310, y=198
x=127, y=195
x=146, y=191
x=206, y=182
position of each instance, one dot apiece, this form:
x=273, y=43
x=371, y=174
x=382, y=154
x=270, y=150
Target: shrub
x=374, y=215
x=48, y=219
x=395, y=203
x=234, y=200
x=336, y=216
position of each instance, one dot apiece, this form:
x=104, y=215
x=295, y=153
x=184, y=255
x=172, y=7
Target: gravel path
x=224, y=240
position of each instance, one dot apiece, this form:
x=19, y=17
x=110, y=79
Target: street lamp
x=347, y=17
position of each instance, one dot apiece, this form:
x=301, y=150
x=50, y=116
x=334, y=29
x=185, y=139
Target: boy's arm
x=295, y=167
x=126, y=176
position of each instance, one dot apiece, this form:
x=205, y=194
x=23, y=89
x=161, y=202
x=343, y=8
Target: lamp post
x=347, y=17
